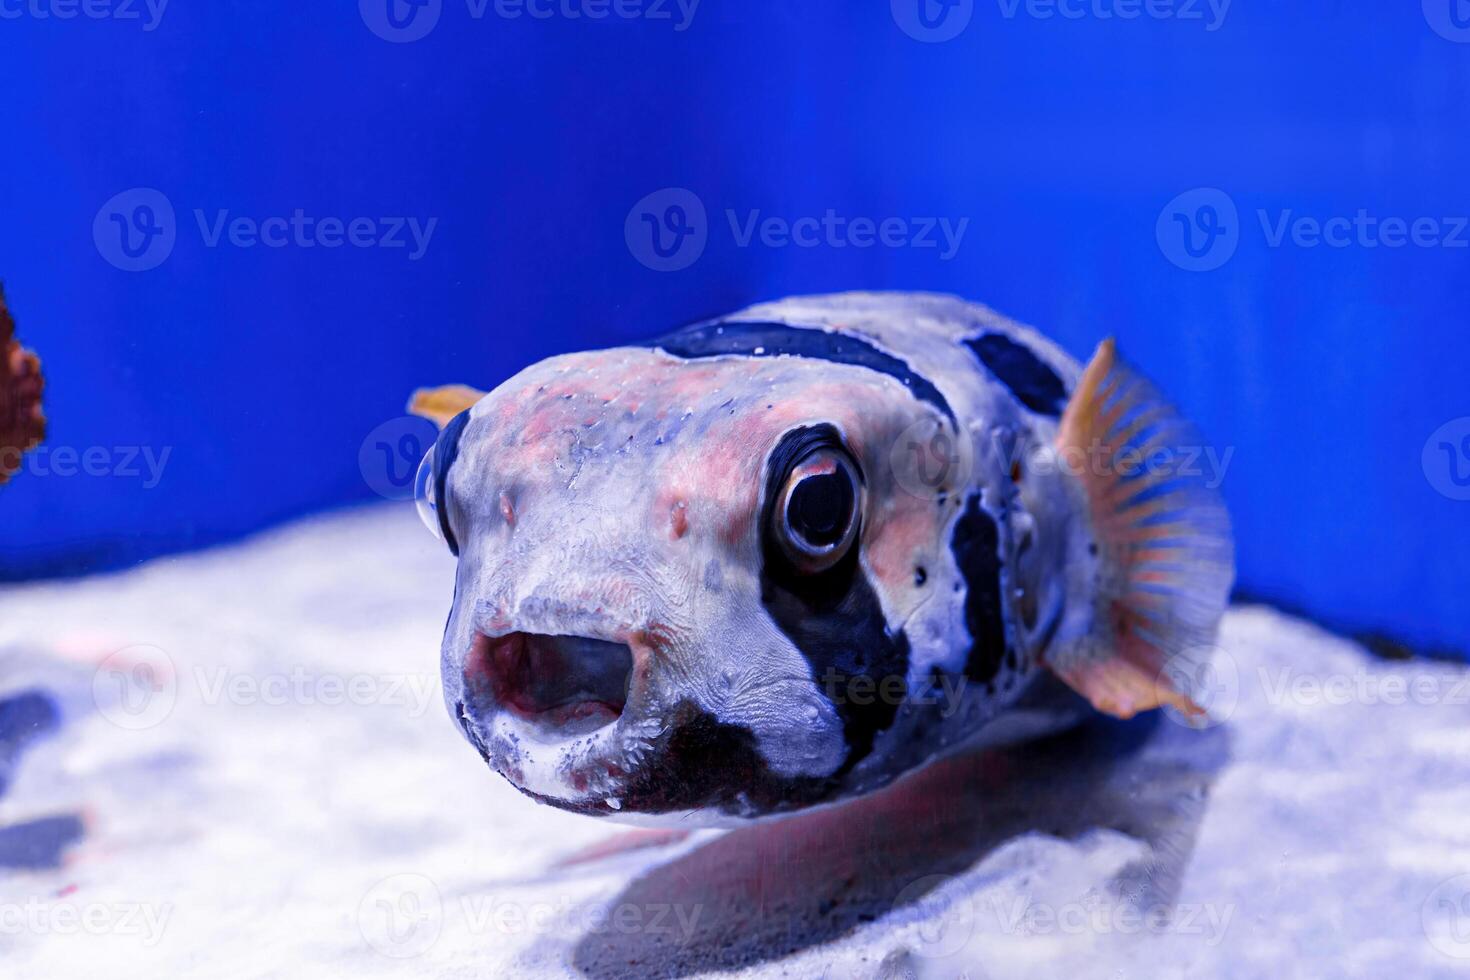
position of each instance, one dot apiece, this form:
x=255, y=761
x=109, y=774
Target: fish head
x=683, y=583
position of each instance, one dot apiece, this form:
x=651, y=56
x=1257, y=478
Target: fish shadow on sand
x=25, y=718
x=767, y=891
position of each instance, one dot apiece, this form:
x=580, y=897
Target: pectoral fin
x=439, y=405
x=1155, y=539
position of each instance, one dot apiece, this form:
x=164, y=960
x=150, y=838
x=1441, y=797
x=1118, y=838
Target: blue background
x=1061, y=140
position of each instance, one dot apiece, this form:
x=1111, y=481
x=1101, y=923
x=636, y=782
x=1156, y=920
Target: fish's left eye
x=816, y=517
x=424, y=498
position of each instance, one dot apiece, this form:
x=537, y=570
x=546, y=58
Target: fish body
x=777, y=559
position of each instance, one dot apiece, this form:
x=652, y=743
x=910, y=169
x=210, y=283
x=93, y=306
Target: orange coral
x=22, y=423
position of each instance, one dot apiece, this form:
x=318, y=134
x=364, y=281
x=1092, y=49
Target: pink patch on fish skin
x=507, y=509
x=897, y=536
x=720, y=418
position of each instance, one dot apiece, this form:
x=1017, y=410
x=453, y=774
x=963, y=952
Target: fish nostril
x=562, y=686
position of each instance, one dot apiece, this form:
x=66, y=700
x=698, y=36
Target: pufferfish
x=777, y=559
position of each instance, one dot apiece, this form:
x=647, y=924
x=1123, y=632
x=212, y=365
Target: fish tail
x=1151, y=571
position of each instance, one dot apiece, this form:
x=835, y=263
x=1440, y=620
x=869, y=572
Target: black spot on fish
x=1017, y=367
x=757, y=339
x=833, y=617
x=704, y=763
x=709, y=763
x=446, y=451
x=976, y=548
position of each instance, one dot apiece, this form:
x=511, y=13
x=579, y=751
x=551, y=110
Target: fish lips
x=565, y=717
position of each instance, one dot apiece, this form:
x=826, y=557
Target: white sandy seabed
x=264, y=783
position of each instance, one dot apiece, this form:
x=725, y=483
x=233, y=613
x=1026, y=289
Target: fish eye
x=423, y=495
x=816, y=517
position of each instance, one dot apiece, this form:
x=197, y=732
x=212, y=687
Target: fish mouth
x=558, y=686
